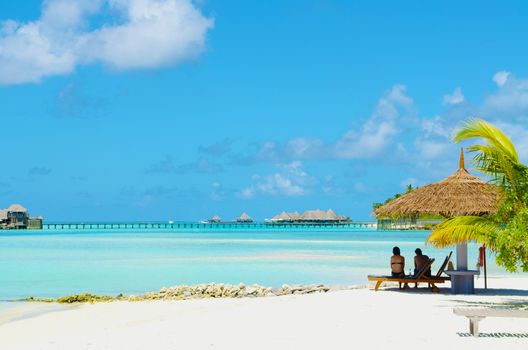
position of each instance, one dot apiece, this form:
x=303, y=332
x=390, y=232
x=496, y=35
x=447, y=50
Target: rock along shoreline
x=199, y=291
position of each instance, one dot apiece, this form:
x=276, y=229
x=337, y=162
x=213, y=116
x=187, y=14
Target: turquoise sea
x=52, y=263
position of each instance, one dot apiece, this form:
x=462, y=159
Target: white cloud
x=304, y=148
x=217, y=193
x=431, y=149
x=247, y=193
x=360, y=187
x=500, y=78
x=435, y=127
x=291, y=181
x=510, y=101
x=393, y=134
x=379, y=130
x=519, y=135
x=455, y=98
x=148, y=34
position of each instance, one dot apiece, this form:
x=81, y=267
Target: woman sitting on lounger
x=397, y=264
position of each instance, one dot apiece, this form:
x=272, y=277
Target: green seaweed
x=76, y=298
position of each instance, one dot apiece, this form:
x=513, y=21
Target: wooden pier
x=201, y=226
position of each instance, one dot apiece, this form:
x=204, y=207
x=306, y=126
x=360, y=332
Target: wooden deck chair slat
x=444, y=265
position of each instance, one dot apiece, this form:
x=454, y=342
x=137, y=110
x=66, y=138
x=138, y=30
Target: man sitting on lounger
x=398, y=265
x=420, y=260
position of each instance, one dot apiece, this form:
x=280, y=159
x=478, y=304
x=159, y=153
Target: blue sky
x=171, y=109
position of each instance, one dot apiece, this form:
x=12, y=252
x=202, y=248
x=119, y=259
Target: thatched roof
x=216, y=218
x=17, y=208
x=284, y=216
x=457, y=195
x=313, y=215
x=244, y=217
x=320, y=215
x=294, y=216
x=310, y=215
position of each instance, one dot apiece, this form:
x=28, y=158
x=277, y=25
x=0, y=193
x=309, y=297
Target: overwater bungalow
x=17, y=217
x=311, y=216
x=284, y=217
x=3, y=217
x=245, y=218
x=215, y=219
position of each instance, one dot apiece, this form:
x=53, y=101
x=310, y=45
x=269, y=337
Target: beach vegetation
x=505, y=232
x=84, y=298
x=76, y=298
x=408, y=189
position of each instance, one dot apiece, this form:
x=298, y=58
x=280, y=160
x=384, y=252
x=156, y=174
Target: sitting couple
x=397, y=262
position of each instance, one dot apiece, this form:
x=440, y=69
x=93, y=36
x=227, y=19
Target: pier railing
x=199, y=225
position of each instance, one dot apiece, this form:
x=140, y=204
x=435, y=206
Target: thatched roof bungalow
x=15, y=216
x=16, y=208
x=3, y=215
x=284, y=216
x=310, y=216
x=215, y=218
x=244, y=217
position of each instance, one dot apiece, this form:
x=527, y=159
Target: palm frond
x=497, y=158
x=478, y=128
x=460, y=229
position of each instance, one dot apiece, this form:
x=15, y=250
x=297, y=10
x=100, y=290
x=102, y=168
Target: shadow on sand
x=494, y=335
x=422, y=289
x=507, y=303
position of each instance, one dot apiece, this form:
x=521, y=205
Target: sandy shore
x=337, y=320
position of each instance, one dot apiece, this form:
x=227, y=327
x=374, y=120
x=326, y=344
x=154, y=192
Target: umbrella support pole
x=485, y=270
x=462, y=279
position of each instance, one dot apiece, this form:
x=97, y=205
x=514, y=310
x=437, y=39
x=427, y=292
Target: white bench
x=475, y=315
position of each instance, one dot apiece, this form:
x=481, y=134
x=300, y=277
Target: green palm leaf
x=497, y=158
x=460, y=229
x=478, y=128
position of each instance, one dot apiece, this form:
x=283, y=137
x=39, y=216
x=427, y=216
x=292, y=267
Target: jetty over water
x=201, y=225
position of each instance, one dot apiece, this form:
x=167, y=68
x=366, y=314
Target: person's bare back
x=420, y=261
x=397, y=264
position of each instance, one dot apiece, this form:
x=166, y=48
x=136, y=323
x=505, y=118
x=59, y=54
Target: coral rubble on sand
x=200, y=291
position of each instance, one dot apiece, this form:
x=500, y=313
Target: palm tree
x=504, y=232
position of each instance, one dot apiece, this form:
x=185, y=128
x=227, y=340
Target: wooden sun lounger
x=420, y=277
x=475, y=315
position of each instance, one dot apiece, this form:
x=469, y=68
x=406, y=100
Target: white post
x=462, y=260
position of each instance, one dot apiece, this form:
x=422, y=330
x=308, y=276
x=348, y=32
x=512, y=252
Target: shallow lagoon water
x=52, y=263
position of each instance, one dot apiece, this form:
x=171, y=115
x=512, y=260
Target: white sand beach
x=345, y=319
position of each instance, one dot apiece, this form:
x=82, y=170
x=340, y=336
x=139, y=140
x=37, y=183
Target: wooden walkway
x=199, y=225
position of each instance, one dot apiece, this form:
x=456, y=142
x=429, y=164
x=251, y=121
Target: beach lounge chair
x=419, y=277
x=442, y=269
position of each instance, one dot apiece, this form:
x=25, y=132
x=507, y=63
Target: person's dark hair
x=396, y=251
x=418, y=251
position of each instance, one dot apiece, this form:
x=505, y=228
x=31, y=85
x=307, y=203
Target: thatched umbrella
x=457, y=195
